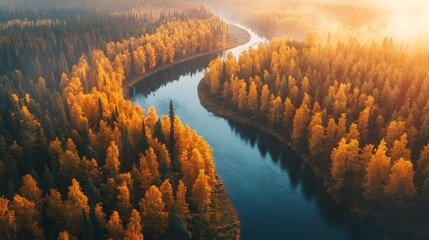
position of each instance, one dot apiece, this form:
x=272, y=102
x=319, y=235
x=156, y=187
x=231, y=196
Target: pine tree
x=201, y=194
x=265, y=100
x=7, y=219
x=112, y=160
x=153, y=165
x=394, y=132
x=300, y=123
x=155, y=218
x=55, y=209
x=289, y=113
x=134, y=228
x=362, y=124
x=400, y=186
x=353, y=132
x=123, y=199
x=167, y=195
x=346, y=169
x=316, y=135
x=64, y=235
x=253, y=99
x=26, y=218
x=31, y=191
x=181, y=207
x=276, y=111
x=172, y=148
x=75, y=203
x=115, y=229
x=98, y=222
x=399, y=149
x=377, y=173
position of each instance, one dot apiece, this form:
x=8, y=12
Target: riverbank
x=403, y=229
x=236, y=36
x=225, y=225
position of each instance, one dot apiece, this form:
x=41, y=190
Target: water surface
x=275, y=193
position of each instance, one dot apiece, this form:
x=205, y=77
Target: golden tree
x=253, y=98
x=7, y=219
x=123, y=199
x=112, y=160
x=377, y=173
x=400, y=186
x=155, y=218
x=399, y=149
x=134, y=228
x=181, y=207
x=27, y=223
x=63, y=235
x=362, y=124
x=31, y=191
x=76, y=208
x=201, y=193
x=265, y=100
x=345, y=168
x=115, y=229
x=300, y=123
x=316, y=135
x=167, y=195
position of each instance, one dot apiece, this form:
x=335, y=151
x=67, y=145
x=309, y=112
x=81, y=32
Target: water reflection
x=266, y=143
x=276, y=195
x=309, y=184
x=189, y=68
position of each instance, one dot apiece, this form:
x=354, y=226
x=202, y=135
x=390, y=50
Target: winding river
x=275, y=193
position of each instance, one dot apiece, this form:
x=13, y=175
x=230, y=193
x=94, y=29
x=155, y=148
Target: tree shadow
x=301, y=176
x=150, y=84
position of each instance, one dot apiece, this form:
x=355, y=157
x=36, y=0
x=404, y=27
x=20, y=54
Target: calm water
x=274, y=192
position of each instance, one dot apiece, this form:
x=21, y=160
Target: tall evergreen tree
x=172, y=149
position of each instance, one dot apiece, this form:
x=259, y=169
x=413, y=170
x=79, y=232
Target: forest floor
x=236, y=36
x=225, y=219
x=406, y=229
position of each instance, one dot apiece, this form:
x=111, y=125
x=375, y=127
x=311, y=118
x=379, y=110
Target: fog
x=407, y=22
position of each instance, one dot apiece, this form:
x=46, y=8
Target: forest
x=322, y=121
x=77, y=159
x=357, y=113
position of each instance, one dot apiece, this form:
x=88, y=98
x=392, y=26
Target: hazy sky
x=408, y=20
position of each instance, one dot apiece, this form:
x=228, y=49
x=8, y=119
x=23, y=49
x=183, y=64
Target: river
x=276, y=195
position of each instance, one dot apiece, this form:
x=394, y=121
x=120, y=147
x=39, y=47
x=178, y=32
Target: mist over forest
x=405, y=21
x=340, y=88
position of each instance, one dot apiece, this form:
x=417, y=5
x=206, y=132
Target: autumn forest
x=81, y=158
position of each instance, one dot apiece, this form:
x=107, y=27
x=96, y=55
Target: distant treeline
x=46, y=42
x=77, y=159
x=100, y=5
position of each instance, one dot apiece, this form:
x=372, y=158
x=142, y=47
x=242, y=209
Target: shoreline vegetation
x=228, y=223
x=78, y=160
x=357, y=112
x=236, y=36
x=221, y=109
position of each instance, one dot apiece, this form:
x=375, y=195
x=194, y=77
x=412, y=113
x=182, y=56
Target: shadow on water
x=295, y=209
x=301, y=176
x=150, y=84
